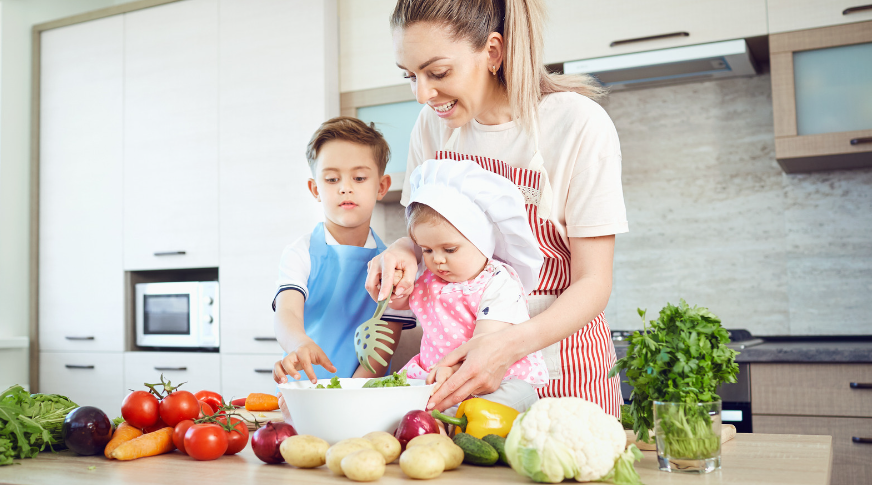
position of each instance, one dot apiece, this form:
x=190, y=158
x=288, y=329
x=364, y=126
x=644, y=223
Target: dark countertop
x=799, y=350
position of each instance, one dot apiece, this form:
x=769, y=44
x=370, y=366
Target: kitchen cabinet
x=170, y=133
x=788, y=15
x=270, y=106
x=366, y=50
x=80, y=259
x=198, y=370
x=821, y=79
x=94, y=379
x=584, y=29
x=242, y=374
x=828, y=399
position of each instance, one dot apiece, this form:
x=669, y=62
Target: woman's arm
x=486, y=358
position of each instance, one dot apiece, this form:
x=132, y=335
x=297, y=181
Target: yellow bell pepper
x=479, y=417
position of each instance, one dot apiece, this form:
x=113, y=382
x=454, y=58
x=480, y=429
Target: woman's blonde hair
x=520, y=22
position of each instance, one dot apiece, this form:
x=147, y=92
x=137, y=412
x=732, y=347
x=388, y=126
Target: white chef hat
x=486, y=208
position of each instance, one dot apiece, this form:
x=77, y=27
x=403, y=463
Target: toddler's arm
x=302, y=351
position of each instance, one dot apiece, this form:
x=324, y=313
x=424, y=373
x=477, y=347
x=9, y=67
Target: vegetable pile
x=30, y=422
x=394, y=380
x=680, y=357
x=334, y=384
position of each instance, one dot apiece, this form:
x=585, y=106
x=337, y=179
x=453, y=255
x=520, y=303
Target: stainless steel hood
x=669, y=66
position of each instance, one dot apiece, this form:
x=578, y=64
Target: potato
x=422, y=462
x=363, y=465
x=451, y=453
x=426, y=439
x=340, y=450
x=386, y=444
x=304, y=451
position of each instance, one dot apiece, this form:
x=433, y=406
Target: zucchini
x=476, y=451
x=499, y=444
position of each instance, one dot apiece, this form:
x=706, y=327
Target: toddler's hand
x=438, y=376
x=303, y=358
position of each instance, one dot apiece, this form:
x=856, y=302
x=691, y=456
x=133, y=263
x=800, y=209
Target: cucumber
x=476, y=451
x=499, y=444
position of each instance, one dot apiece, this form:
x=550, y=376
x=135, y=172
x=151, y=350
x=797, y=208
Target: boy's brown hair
x=353, y=130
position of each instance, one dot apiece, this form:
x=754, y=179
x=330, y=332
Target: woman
x=477, y=65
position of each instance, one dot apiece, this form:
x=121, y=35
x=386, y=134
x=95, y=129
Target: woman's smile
x=445, y=109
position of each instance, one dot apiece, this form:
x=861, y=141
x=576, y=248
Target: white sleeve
x=416, y=155
x=503, y=300
x=294, y=268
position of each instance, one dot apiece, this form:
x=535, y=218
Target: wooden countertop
x=748, y=459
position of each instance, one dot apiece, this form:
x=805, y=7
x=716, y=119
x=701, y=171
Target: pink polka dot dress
x=447, y=313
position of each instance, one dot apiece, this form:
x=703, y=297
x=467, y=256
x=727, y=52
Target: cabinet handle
x=849, y=11
x=865, y=441
x=70, y=337
x=71, y=366
x=857, y=141
x=266, y=339
x=169, y=253
x=263, y=371
x=645, y=39
x=861, y=385
x=171, y=368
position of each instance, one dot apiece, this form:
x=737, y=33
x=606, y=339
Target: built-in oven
x=177, y=315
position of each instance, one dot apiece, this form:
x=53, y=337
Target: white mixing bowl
x=351, y=412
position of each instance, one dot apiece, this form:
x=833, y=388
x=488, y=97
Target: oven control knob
x=209, y=300
x=209, y=319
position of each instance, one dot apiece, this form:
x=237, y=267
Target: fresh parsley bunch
x=680, y=357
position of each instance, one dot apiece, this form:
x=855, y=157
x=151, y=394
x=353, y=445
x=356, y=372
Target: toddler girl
x=478, y=255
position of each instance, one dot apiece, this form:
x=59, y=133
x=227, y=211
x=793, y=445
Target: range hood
x=701, y=62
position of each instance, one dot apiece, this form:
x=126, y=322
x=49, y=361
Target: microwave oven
x=177, y=314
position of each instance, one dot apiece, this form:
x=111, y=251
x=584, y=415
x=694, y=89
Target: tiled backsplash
x=715, y=221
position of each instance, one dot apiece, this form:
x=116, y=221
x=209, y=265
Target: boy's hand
x=303, y=358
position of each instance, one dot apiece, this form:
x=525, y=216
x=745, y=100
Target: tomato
x=140, y=409
x=236, y=438
x=179, y=434
x=205, y=441
x=156, y=426
x=206, y=409
x=179, y=406
x=213, y=398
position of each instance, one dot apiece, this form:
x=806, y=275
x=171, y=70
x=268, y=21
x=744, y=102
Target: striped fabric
x=586, y=356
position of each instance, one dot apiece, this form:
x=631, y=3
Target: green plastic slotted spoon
x=369, y=335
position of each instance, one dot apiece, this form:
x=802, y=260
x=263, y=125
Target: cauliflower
x=569, y=437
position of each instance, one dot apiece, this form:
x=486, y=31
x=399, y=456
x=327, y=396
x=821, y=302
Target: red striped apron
x=586, y=356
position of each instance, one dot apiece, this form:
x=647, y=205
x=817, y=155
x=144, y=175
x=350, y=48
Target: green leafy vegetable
x=394, y=380
x=626, y=416
x=30, y=422
x=680, y=357
x=334, y=384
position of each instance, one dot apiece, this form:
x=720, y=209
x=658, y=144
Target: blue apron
x=338, y=301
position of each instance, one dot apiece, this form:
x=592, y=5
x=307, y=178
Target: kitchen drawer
x=811, y=389
x=242, y=374
x=94, y=379
x=198, y=371
x=788, y=15
x=852, y=462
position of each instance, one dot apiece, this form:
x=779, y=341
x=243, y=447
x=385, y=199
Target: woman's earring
x=493, y=70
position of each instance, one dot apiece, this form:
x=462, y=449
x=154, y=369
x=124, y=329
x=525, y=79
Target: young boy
x=321, y=297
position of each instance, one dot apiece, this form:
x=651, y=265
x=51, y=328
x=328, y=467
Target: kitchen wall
x=715, y=221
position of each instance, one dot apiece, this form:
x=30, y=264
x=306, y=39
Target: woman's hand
x=399, y=256
x=484, y=361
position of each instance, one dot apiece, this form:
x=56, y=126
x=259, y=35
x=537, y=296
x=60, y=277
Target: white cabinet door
x=278, y=84
x=81, y=280
x=171, y=136
x=242, y=374
x=788, y=15
x=366, y=47
x=88, y=379
x=199, y=371
x=584, y=29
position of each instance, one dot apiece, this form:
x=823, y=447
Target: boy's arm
x=302, y=351
x=397, y=328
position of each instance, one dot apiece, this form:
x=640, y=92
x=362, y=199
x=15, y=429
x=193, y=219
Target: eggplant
x=415, y=423
x=87, y=430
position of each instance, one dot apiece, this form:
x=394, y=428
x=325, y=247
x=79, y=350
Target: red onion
x=413, y=424
x=265, y=442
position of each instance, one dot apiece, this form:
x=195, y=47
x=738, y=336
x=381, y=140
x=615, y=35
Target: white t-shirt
x=578, y=143
x=296, y=265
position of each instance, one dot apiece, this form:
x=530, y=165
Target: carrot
x=149, y=444
x=261, y=402
x=123, y=434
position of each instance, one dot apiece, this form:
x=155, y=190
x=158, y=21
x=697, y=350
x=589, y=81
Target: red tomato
x=156, y=426
x=205, y=441
x=179, y=434
x=140, y=409
x=237, y=438
x=213, y=398
x=206, y=409
x=179, y=406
